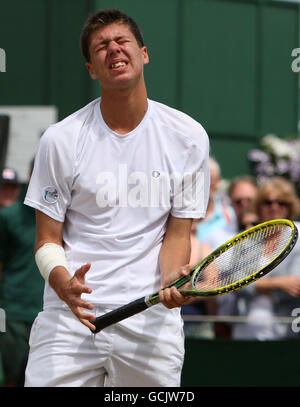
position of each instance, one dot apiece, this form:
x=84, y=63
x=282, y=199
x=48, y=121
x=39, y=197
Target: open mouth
x=119, y=64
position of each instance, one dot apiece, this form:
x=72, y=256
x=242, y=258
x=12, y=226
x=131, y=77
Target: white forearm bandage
x=48, y=256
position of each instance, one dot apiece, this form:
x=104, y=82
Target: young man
x=110, y=225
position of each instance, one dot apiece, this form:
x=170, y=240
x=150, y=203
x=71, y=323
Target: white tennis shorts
x=142, y=351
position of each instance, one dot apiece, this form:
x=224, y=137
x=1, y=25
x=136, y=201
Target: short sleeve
x=191, y=196
x=50, y=185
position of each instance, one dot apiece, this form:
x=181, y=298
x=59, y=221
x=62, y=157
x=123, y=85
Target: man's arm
x=174, y=259
x=68, y=288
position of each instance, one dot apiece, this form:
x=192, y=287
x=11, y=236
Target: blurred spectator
x=248, y=218
x=9, y=187
x=195, y=244
x=278, y=293
x=21, y=287
x=198, y=250
x=242, y=193
x=219, y=224
x=198, y=307
x=217, y=227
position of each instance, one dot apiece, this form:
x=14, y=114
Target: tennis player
x=115, y=187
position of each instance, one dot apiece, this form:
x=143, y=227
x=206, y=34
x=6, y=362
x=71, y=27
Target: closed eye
x=122, y=41
x=102, y=46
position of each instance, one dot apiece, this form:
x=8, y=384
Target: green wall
x=241, y=363
x=226, y=63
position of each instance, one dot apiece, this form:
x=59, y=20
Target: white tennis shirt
x=114, y=194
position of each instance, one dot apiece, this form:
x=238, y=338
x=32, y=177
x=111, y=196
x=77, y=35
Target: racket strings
x=253, y=252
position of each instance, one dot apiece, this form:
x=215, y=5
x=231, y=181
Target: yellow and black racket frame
x=236, y=240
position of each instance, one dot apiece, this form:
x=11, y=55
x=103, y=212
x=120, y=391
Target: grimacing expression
x=116, y=59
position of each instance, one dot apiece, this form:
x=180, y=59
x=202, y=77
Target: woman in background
x=278, y=293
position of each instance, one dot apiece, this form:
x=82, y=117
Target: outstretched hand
x=71, y=292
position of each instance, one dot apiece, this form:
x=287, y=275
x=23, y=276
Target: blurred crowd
x=21, y=285
x=262, y=310
x=259, y=311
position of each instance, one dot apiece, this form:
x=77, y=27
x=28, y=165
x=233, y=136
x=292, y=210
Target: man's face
x=9, y=193
x=116, y=59
x=243, y=196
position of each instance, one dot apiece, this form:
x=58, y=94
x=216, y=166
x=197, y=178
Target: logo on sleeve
x=50, y=195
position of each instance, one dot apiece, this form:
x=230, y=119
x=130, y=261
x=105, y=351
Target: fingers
x=77, y=282
x=88, y=324
x=74, y=300
x=291, y=285
x=77, y=306
x=86, y=319
x=81, y=314
x=184, y=270
x=294, y=291
x=81, y=272
x=296, y=288
x=79, y=289
x=171, y=298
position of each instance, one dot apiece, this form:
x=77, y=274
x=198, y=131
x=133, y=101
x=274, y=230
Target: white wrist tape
x=48, y=256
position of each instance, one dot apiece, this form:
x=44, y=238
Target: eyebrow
x=104, y=41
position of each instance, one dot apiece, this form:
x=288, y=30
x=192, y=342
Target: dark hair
x=103, y=18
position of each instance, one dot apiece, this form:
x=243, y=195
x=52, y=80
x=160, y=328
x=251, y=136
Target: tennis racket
x=238, y=262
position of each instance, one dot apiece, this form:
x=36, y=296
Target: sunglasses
x=269, y=202
x=238, y=201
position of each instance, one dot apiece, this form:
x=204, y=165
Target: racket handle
x=119, y=314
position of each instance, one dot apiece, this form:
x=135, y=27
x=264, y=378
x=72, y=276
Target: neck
x=123, y=110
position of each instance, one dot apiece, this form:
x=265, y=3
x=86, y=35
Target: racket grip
x=119, y=314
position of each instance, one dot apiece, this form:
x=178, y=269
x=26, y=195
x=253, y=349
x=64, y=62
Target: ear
x=145, y=55
x=91, y=70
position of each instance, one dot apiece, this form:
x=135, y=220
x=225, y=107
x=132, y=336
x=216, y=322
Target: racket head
x=207, y=280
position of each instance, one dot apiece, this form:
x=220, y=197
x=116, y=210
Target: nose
x=113, y=47
x=275, y=206
x=245, y=202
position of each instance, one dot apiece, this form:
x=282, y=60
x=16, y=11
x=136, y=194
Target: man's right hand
x=69, y=290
